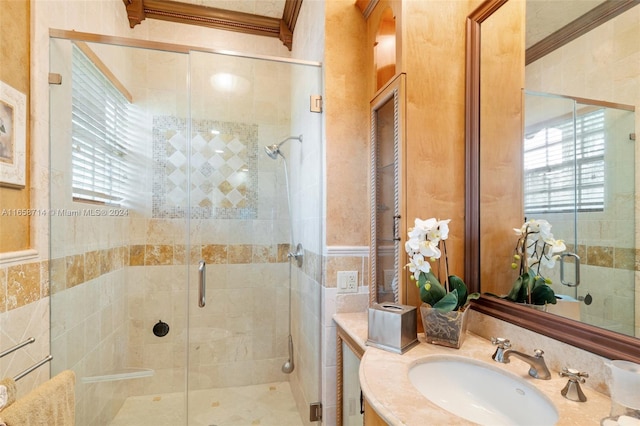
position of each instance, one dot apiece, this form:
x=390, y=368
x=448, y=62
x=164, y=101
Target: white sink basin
x=481, y=392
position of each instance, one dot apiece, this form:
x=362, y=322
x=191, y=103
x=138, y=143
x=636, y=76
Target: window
x=561, y=175
x=99, y=135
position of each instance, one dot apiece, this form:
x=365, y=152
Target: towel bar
x=33, y=367
x=18, y=346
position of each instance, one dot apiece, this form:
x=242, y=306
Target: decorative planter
x=541, y=308
x=443, y=328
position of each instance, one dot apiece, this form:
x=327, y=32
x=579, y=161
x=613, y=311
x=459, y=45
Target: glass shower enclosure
x=579, y=168
x=172, y=290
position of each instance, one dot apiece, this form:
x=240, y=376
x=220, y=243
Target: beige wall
x=501, y=123
x=433, y=56
x=347, y=130
x=14, y=49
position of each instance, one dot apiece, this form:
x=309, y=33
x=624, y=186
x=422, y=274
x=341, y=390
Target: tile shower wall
x=223, y=169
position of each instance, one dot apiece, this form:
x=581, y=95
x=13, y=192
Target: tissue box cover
x=392, y=327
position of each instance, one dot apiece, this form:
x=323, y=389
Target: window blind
x=561, y=175
x=100, y=135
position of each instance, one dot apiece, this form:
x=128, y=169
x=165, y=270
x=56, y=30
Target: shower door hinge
x=316, y=103
x=55, y=78
x=315, y=412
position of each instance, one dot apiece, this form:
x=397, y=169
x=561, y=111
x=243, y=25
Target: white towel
x=7, y=393
x=50, y=404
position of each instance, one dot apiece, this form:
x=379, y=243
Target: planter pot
x=443, y=328
x=541, y=308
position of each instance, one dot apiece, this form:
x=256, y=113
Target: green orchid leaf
x=448, y=303
x=539, y=281
x=435, y=292
x=516, y=288
x=456, y=283
x=470, y=297
x=543, y=294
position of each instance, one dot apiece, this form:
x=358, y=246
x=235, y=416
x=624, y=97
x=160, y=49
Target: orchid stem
x=446, y=266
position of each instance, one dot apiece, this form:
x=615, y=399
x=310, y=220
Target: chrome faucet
x=538, y=369
x=502, y=345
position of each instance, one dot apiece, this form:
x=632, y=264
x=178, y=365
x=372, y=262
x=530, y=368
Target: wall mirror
x=500, y=118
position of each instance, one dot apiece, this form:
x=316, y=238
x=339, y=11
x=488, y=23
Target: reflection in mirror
x=589, y=172
x=579, y=176
x=573, y=72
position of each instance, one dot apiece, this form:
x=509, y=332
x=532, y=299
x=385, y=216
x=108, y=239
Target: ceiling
x=272, y=18
x=270, y=8
x=544, y=17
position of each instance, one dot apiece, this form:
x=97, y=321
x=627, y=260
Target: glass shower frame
x=603, y=239
x=113, y=278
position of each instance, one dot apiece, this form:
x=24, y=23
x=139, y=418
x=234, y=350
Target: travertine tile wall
x=609, y=72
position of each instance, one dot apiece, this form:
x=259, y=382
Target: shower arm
x=297, y=138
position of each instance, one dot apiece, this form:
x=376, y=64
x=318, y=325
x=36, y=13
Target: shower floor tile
x=270, y=404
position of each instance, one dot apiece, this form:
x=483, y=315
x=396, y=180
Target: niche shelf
x=120, y=374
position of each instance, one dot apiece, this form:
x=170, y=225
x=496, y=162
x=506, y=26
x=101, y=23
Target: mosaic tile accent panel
x=223, y=166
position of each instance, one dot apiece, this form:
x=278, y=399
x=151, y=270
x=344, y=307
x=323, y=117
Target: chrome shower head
x=274, y=150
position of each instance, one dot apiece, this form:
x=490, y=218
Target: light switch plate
x=347, y=281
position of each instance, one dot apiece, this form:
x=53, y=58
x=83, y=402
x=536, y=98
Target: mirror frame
x=597, y=340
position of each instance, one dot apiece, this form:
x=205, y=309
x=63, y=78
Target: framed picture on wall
x=13, y=135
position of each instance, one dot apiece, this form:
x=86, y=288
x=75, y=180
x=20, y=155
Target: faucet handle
x=538, y=353
x=572, y=389
x=501, y=344
x=574, y=375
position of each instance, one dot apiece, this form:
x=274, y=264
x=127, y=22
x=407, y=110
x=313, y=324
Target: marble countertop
x=385, y=382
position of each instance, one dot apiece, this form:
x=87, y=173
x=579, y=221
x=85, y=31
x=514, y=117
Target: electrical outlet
x=347, y=281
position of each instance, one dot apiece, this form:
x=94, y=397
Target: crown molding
x=211, y=17
x=582, y=25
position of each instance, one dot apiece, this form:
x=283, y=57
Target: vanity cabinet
x=371, y=417
x=349, y=399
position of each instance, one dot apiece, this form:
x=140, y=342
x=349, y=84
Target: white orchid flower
x=549, y=261
x=430, y=249
x=531, y=244
x=556, y=246
x=539, y=226
x=416, y=233
x=531, y=261
x=422, y=228
x=545, y=229
x=440, y=231
x=419, y=264
x=412, y=245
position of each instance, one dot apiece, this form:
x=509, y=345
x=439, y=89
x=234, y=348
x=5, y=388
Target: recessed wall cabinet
x=387, y=153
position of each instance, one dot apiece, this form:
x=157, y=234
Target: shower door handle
x=577, y=269
x=202, y=274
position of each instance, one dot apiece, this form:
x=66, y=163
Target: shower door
x=247, y=217
x=580, y=176
x=118, y=243
x=172, y=295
